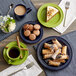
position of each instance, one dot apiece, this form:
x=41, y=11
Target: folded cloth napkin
x=35, y=70
x=70, y=17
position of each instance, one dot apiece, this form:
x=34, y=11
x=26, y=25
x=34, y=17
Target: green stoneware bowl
x=53, y=22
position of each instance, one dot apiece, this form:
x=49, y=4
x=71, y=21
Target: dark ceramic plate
x=48, y=40
x=26, y=39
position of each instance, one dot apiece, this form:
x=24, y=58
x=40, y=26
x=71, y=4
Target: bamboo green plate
x=55, y=21
x=24, y=53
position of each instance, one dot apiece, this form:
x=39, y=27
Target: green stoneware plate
x=55, y=21
x=24, y=53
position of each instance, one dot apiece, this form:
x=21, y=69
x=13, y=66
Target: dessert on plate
x=31, y=31
x=51, y=12
x=55, y=53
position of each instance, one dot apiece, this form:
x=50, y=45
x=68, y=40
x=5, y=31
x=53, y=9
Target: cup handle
x=9, y=61
x=29, y=10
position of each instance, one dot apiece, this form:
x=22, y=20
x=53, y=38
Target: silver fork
x=67, y=4
x=24, y=68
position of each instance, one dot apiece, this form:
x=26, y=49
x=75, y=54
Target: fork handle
x=65, y=17
x=16, y=72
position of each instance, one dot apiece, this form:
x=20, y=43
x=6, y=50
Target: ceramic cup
x=19, y=17
x=13, y=56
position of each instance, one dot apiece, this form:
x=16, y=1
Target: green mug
x=13, y=54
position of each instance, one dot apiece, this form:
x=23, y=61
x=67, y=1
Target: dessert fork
x=67, y=4
x=24, y=68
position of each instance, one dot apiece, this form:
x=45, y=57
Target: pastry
x=55, y=41
x=47, y=56
x=56, y=53
x=37, y=27
x=25, y=27
x=46, y=51
x=36, y=32
x=51, y=12
x=53, y=63
x=28, y=27
x=32, y=37
x=27, y=33
x=64, y=50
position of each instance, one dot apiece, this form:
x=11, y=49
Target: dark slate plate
x=48, y=40
x=27, y=39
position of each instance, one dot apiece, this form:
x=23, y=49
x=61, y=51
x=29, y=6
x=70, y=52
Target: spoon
x=67, y=4
x=11, y=6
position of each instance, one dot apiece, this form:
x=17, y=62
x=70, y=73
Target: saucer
x=24, y=53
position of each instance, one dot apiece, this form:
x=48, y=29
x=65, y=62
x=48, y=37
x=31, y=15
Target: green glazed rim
x=51, y=23
x=9, y=50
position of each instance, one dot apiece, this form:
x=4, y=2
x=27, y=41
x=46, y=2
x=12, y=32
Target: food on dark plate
x=47, y=51
x=47, y=56
x=54, y=63
x=25, y=27
x=55, y=41
x=27, y=33
x=28, y=27
x=36, y=32
x=32, y=37
x=64, y=50
x=31, y=31
x=37, y=27
x=55, y=53
x=51, y=46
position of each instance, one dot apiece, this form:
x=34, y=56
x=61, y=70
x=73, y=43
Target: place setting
x=12, y=15
x=55, y=55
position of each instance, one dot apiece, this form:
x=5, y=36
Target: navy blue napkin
x=4, y=7
x=71, y=69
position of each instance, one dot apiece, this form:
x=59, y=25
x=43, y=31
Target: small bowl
x=26, y=39
x=7, y=32
x=49, y=40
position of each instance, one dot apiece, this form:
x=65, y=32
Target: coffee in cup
x=14, y=52
x=20, y=10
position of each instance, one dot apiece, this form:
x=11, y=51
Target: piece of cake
x=51, y=12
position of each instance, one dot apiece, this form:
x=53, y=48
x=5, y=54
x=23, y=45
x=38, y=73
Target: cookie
x=32, y=37
x=30, y=27
x=37, y=27
x=36, y=32
x=27, y=33
x=26, y=26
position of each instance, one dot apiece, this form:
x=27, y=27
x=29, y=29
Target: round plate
x=53, y=22
x=24, y=53
x=26, y=39
x=49, y=40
